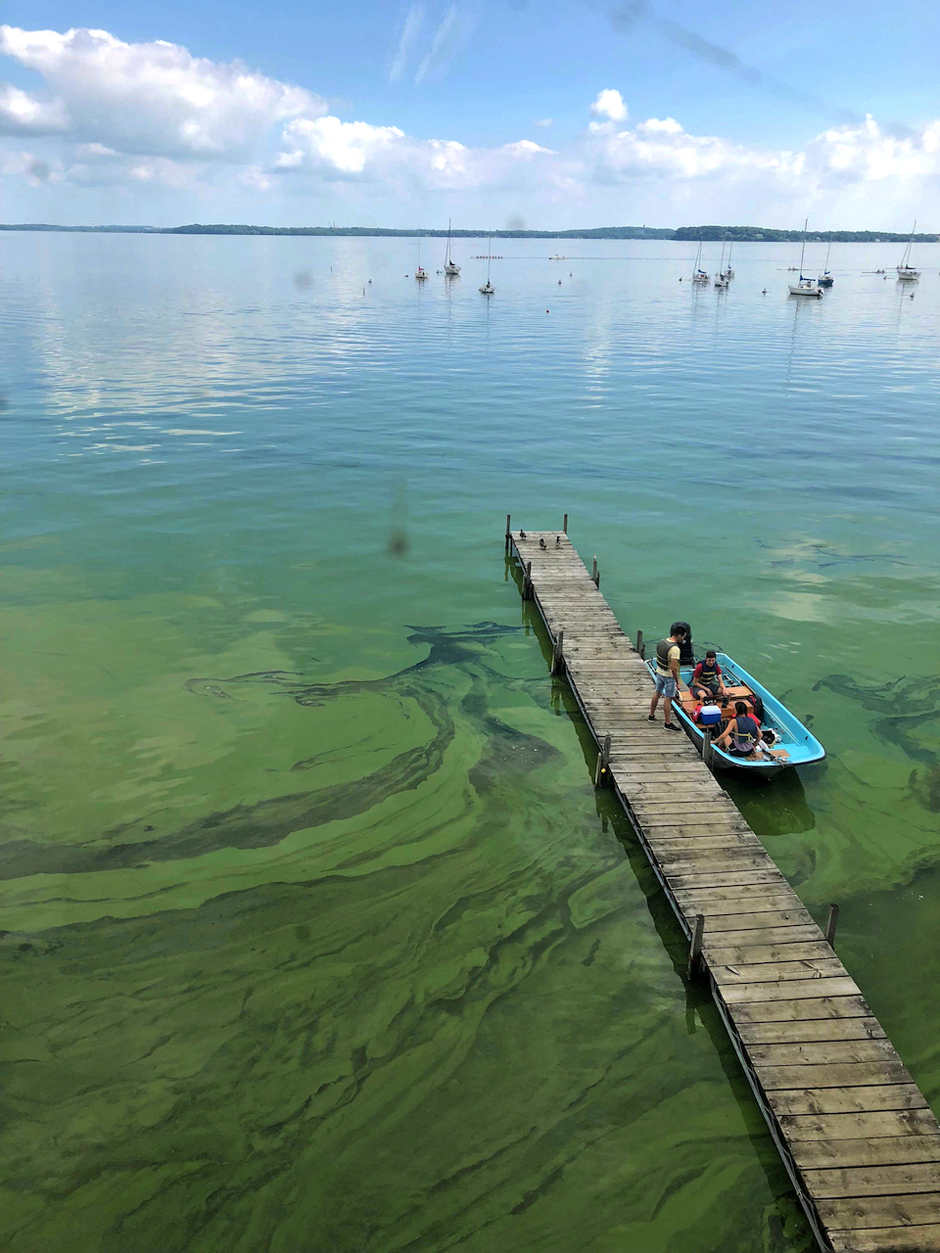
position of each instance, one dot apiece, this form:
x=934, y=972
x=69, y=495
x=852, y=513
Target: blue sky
x=557, y=113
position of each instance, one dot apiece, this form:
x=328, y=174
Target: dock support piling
x=565, y=525
x=595, y=574
x=831, y=923
x=508, y=534
x=695, y=947
x=558, y=659
x=640, y=647
x=601, y=770
x=527, y=593
x=708, y=750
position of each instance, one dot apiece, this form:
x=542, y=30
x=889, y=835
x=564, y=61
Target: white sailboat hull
x=907, y=273
x=806, y=289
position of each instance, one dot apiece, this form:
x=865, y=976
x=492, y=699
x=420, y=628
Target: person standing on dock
x=667, y=675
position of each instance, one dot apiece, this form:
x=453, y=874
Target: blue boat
x=794, y=744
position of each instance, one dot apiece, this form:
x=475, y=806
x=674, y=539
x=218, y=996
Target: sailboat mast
x=803, y=250
x=489, y=258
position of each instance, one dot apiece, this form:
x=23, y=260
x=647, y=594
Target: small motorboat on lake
x=794, y=745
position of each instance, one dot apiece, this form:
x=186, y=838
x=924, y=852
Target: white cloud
x=411, y=29
x=335, y=147
x=149, y=98
x=544, y=121
x=609, y=104
x=35, y=169
x=452, y=34
x=22, y=114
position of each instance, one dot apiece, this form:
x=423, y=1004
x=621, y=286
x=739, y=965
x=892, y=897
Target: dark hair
x=678, y=628
x=711, y=653
x=740, y=707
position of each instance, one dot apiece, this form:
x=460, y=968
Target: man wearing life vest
x=706, y=678
x=740, y=737
x=667, y=675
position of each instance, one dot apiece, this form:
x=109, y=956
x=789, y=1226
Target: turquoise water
x=316, y=935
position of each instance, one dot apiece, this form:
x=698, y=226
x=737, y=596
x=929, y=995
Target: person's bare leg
x=653, y=703
x=667, y=709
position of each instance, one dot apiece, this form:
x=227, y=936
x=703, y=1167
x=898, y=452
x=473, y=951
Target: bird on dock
x=541, y=542
x=522, y=534
x=558, y=541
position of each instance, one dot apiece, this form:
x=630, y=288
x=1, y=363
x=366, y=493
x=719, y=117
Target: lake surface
x=317, y=938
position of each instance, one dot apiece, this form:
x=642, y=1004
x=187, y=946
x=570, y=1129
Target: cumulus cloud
x=35, y=169
x=359, y=152
x=609, y=104
x=152, y=99
x=22, y=114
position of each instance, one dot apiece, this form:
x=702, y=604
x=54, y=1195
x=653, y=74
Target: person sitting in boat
x=706, y=679
x=741, y=735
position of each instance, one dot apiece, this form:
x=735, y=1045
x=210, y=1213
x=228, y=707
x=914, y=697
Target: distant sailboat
x=721, y=279
x=825, y=279
x=420, y=273
x=806, y=286
x=698, y=274
x=450, y=270
x=905, y=270
x=729, y=273
x=488, y=289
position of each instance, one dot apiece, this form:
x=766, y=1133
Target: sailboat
x=698, y=274
x=420, y=273
x=905, y=270
x=450, y=270
x=488, y=289
x=729, y=273
x=806, y=286
x=721, y=279
x=825, y=279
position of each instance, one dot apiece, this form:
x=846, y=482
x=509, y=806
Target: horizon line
x=682, y=234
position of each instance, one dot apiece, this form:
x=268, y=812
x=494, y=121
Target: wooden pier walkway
x=854, y=1131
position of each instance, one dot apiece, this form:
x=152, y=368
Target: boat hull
x=801, y=746
x=813, y=292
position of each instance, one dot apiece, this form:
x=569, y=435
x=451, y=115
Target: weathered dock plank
x=855, y=1132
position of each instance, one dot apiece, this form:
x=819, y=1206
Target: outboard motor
x=686, y=654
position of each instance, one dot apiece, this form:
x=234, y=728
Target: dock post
x=508, y=533
x=695, y=947
x=639, y=645
x=831, y=922
x=527, y=582
x=708, y=750
x=603, y=762
x=558, y=660
x=565, y=525
x=594, y=574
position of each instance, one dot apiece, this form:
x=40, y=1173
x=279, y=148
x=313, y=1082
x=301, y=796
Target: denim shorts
x=666, y=686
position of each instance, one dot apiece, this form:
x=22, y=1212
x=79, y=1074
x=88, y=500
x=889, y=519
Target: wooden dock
x=855, y=1133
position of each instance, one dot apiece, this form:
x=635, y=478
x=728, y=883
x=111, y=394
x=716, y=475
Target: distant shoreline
x=687, y=234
